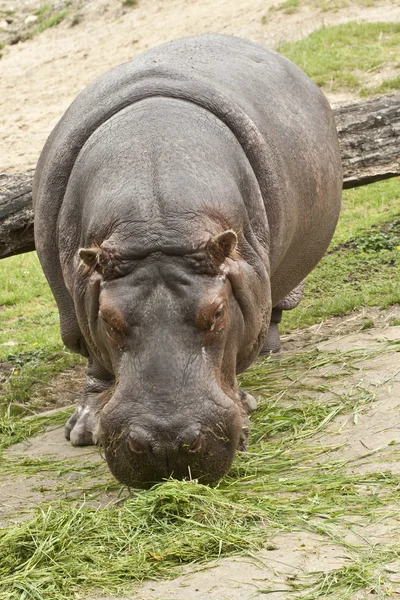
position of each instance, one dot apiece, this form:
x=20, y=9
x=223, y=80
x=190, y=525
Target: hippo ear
x=90, y=258
x=222, y=246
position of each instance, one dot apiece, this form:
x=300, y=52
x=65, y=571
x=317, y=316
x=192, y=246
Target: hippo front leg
x=82, y=428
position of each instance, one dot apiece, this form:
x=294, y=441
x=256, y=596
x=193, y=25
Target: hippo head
x=175, y=329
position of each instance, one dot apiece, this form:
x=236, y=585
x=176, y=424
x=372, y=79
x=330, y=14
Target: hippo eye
x=219, y=312
x=107, y=321
x=211, y=321
x=217, y=326
x=103, y=318
x=113, y=327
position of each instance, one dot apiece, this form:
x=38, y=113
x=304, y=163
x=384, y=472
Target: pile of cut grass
x=284, y=483
x=68, y=550
x=346, y=57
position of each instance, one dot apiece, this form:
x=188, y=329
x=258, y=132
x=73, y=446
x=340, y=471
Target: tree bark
x=16, y=213
x=369, y=138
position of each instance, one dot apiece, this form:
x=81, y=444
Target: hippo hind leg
x=273, y=342
x=82, y=428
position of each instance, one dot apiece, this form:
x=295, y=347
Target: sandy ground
x=39, y=78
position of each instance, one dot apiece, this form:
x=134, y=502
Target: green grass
x=345, y=281
x=49, y=15
x=345, y=57
x=367, y=206
x=22, y=379
x=149, y=536
x=334, y=5
x=43, y=11
x=387, y=87
x=362, y=267
x=22, y=280
x=288, y=7
x=30, y=344
x=291, y=6
x=343, y=583
x=28, y=370
x=54, y=19
x=15, y=465
x=68, y=552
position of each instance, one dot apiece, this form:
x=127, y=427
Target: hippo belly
x=178, y=203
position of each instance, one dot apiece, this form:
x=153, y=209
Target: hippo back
x=281, y=119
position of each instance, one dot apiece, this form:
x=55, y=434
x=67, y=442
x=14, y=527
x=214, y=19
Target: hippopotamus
x=179, y=204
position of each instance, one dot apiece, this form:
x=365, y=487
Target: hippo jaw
x=141, y=450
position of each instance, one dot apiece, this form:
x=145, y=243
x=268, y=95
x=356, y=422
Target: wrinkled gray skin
x=181, y=197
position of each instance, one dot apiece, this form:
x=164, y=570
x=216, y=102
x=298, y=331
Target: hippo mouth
x=138, y=458
x=139, y=470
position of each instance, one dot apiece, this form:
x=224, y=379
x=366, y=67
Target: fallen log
x=369, y=138
x=16, y=213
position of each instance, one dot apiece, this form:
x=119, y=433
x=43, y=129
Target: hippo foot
x=244, y=437
x=248, y=401
x=249, y=404
x=83, y=427
x=272, y=344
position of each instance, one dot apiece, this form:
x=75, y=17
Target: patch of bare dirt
x=370, y=438
x=270, y=572
x=370, y=322
x=41, y=76
x=67, y=473
x=63, y=390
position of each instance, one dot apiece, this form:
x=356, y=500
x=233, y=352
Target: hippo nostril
x=196, y=444
x=136, y=446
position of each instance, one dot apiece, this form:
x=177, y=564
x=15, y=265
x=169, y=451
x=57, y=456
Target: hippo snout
x=141, y=454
